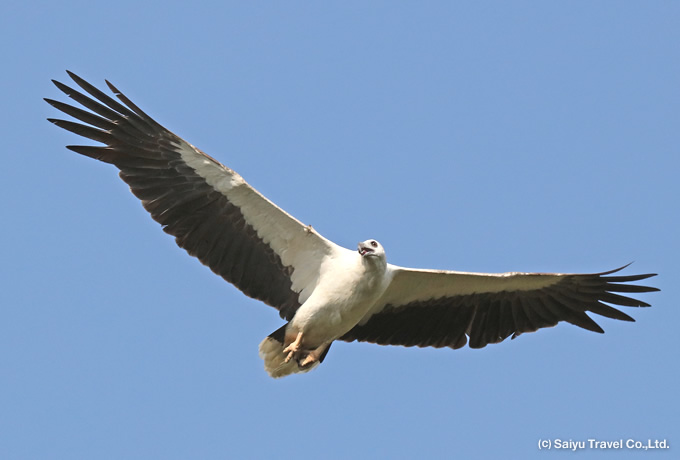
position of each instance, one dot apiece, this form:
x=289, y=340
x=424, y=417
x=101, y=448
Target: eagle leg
x=313, y=356
x=293, y=348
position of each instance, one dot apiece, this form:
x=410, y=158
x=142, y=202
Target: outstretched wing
x=443, y=308
x=209, y=209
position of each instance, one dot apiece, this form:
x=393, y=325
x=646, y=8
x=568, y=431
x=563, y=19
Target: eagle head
x=371, y=248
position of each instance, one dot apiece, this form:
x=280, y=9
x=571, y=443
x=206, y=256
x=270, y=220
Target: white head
x=371, y=250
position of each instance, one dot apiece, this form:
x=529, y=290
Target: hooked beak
x=365, y=250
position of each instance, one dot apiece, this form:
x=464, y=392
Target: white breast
x=348, y=287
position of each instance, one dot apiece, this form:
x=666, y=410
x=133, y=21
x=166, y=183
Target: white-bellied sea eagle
x=325, y=292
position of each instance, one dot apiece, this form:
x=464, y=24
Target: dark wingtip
x=609, y=272
x=57, y=83
x=639, y=277
x=76, y=148
x=73, y=75
x=63, y=88
x=112, y=88
x=51, y=102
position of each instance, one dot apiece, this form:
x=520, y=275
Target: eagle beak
x=364, y=250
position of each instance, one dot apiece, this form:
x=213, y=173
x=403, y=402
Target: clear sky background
x=482, y=136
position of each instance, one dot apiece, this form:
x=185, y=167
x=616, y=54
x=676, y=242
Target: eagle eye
x=374, y=244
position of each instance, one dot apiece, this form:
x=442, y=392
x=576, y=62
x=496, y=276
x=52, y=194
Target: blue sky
x=479, y=136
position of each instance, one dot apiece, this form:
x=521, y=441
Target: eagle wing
x=444, y=308
x=210, y=210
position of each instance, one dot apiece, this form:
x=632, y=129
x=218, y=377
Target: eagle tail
x=271, y=352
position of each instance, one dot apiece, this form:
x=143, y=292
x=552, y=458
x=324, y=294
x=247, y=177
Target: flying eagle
x=324, y=292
